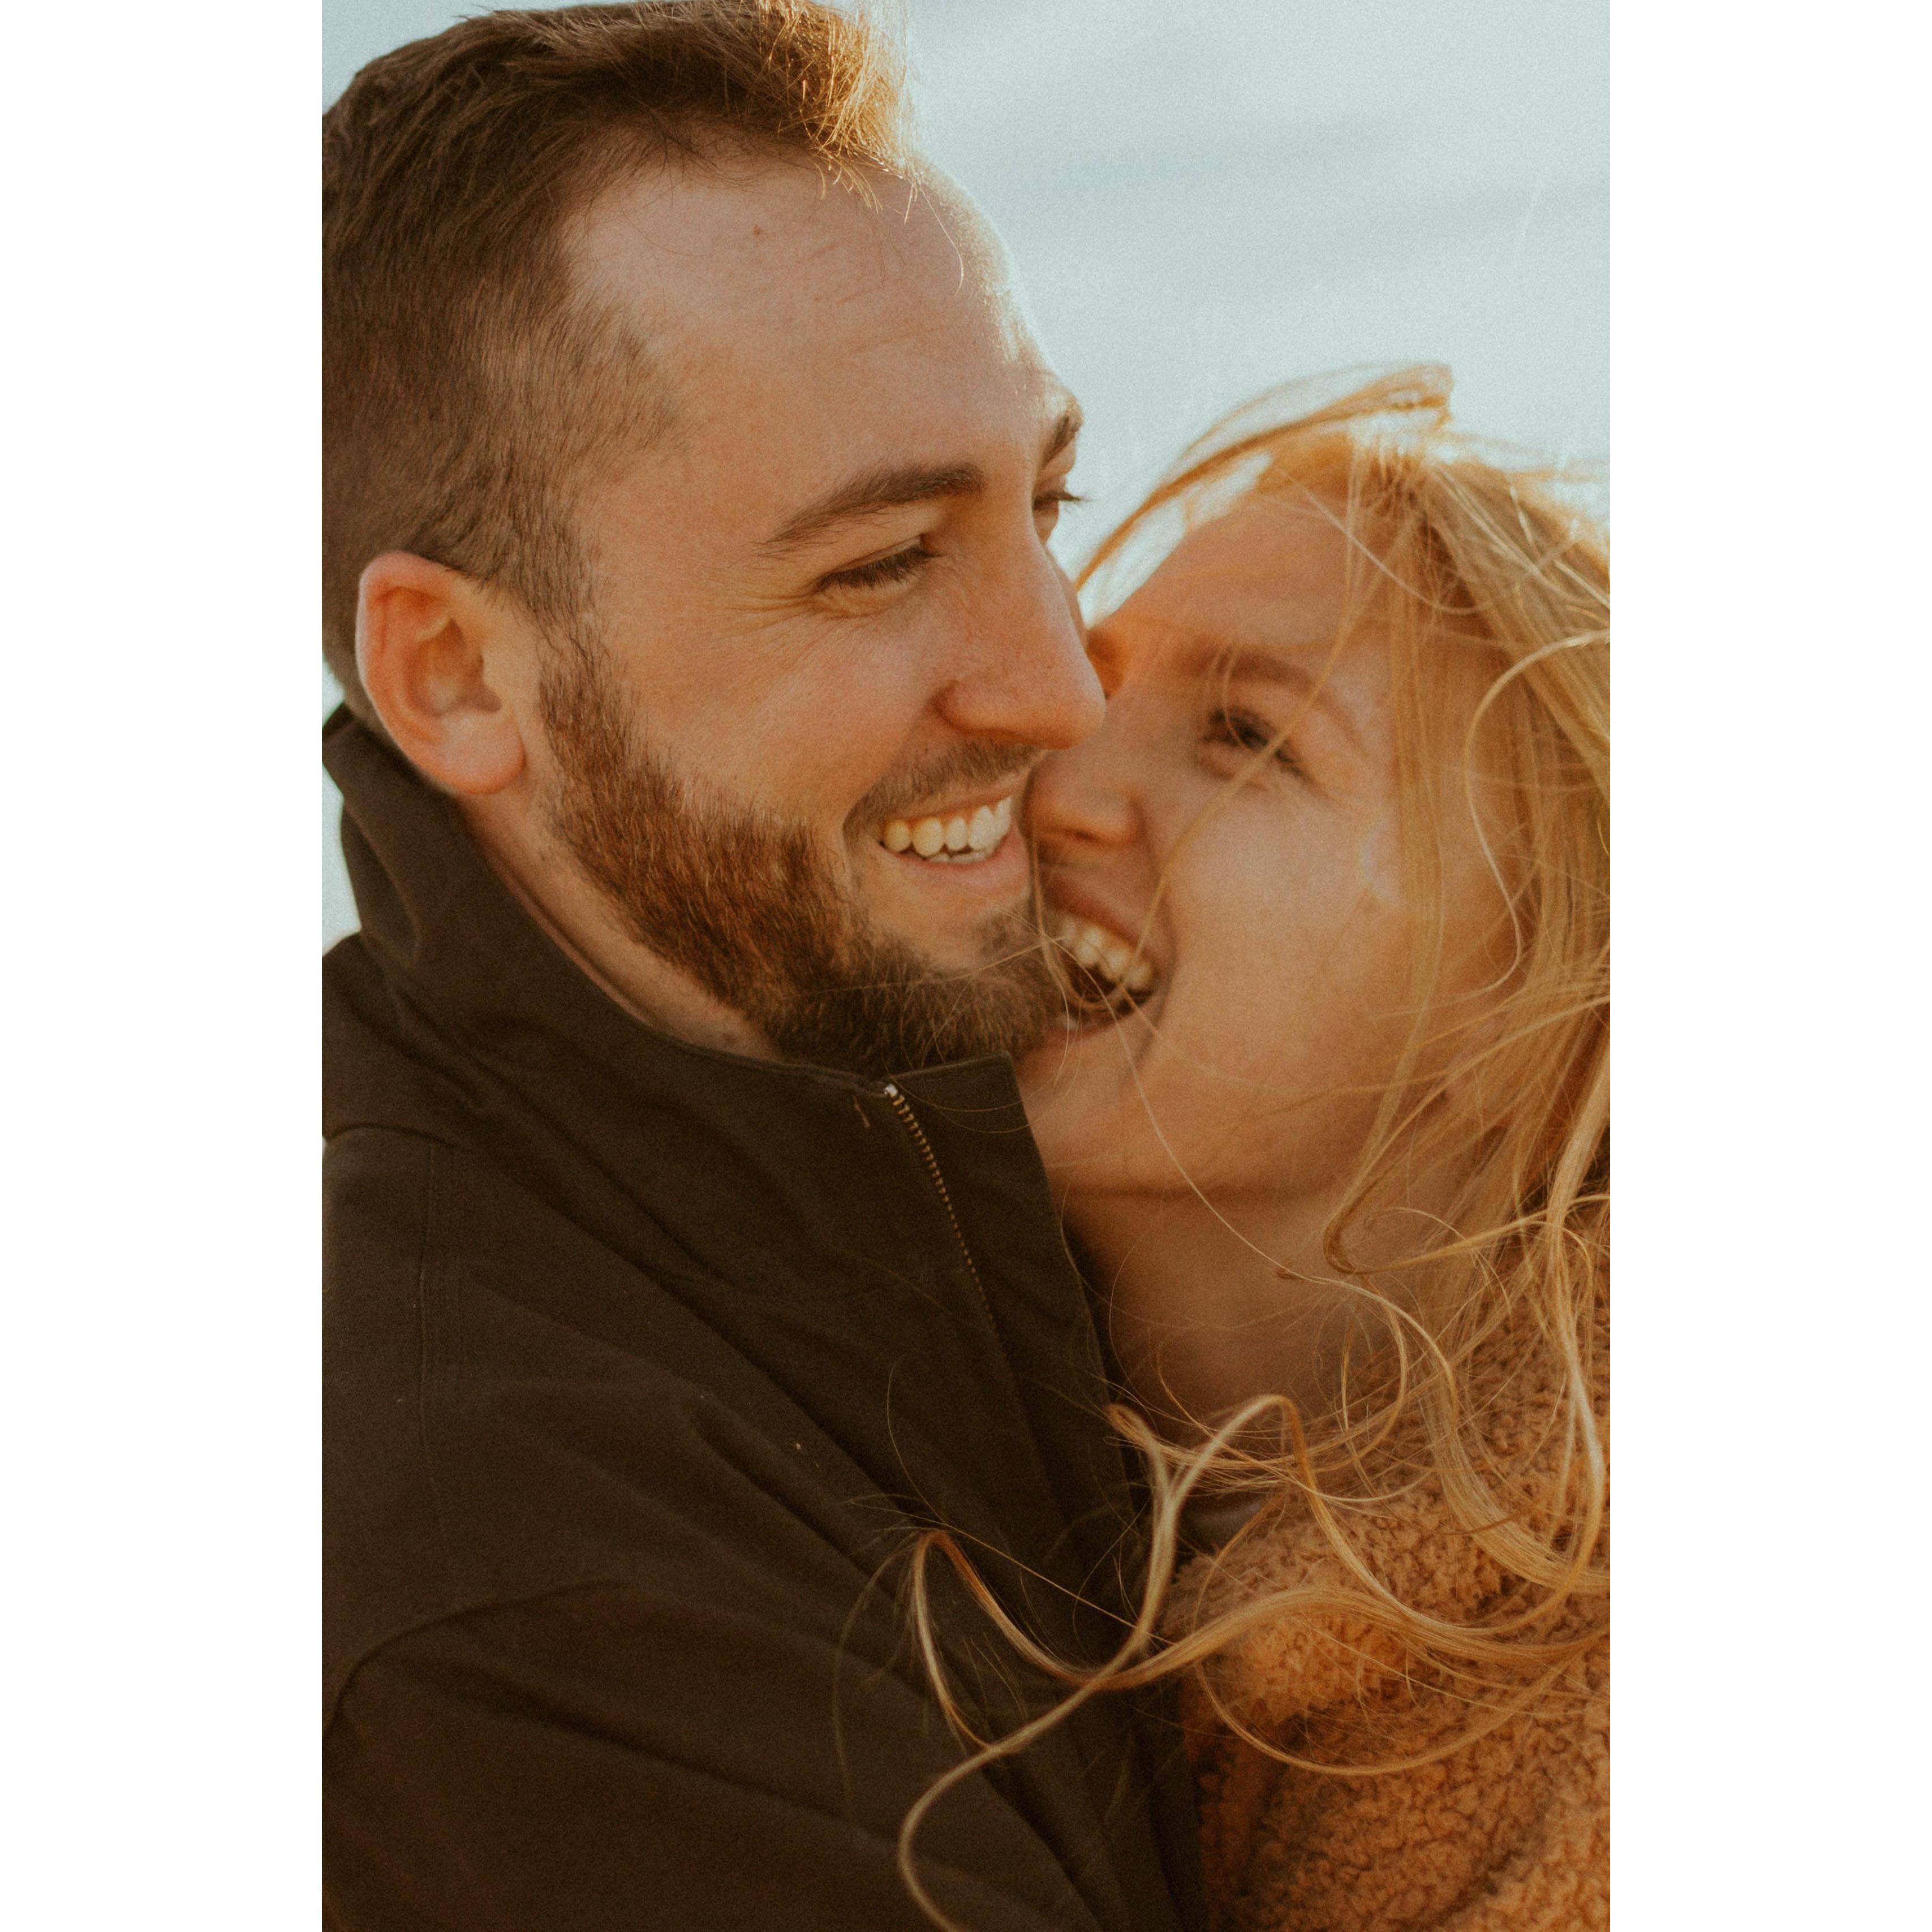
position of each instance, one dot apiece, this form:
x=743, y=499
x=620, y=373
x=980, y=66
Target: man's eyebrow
x=894, y=486
x=888, y=488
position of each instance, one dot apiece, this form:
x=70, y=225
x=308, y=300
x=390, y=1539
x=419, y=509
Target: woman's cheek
x=1378, y=862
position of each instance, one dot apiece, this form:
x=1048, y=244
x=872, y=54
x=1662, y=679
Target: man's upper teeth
x=979, y=831
x=1102, y=952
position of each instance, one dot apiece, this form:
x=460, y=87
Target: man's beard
x=749, y=907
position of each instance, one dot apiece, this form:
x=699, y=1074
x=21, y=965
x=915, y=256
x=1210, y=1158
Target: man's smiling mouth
x=959, y=839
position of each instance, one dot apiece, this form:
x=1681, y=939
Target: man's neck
x=647, y=986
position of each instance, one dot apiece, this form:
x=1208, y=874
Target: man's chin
x=883, y=970
x=892, y=1009
x=988, y=954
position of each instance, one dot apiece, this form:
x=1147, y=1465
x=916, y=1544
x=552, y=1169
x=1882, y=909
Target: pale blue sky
x=1206, y=197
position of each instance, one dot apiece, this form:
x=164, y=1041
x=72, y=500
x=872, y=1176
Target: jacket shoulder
x=515, y=1409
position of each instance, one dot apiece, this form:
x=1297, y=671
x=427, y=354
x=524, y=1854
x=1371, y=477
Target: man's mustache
x=961, y=769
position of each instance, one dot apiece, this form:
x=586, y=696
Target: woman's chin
x=1084, y=1065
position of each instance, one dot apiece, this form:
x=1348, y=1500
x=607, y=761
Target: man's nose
x=1029, y=681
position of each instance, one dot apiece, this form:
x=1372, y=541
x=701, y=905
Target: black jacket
x=642, y=1363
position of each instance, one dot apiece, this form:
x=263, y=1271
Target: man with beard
x=689, y=470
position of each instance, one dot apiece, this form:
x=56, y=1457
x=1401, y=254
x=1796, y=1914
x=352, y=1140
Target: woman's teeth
x=1105, y=955
x=965, y=839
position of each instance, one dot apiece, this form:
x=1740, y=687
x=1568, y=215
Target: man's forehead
x=822, y=331
x=780, y=254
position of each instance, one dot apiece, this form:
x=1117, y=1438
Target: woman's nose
x=1085, y=796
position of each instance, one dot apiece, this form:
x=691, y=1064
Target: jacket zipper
x=903, y=1107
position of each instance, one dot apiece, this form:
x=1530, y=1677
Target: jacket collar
x=455, y=945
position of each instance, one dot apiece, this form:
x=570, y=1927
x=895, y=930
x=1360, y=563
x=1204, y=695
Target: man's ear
x=428, y=641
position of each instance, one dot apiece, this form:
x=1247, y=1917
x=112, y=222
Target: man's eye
x=899, y=567
x=1246, y=733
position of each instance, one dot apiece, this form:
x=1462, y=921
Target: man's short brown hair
x=467, y=391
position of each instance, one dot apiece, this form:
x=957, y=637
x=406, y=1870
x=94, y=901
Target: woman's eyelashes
x=1249, y=734
x=1047, y=506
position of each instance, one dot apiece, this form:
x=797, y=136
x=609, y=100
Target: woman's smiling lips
x=1100, y=943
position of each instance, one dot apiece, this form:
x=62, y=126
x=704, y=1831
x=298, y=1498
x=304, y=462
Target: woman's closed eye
x=1047, y=506
x=1249, y=734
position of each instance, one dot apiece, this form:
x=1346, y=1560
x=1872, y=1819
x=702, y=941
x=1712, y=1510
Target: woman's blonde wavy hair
x=1453, y=548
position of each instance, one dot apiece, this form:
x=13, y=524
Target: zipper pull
x=902, y=1107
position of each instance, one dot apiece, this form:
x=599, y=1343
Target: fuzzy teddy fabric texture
x=1509, y=1831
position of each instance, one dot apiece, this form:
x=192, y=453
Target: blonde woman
x=1328, y=1119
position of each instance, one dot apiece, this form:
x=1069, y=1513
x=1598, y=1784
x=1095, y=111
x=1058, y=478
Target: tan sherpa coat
x=1510, y=1833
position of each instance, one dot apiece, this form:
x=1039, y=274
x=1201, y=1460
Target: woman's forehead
x=1269, y=575
x=1260, y=594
